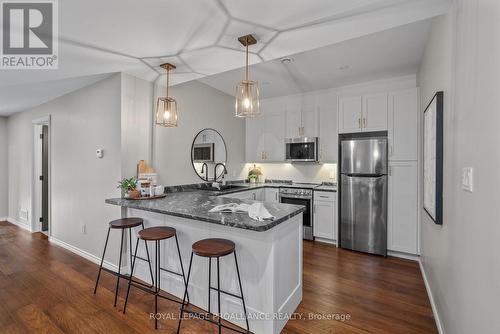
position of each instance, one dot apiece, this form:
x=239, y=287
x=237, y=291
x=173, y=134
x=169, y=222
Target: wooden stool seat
x=126, y=223
x=213, y=247
x=157, y=233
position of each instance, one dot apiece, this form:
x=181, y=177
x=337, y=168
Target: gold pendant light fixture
x=166, y=107
x=247, y=91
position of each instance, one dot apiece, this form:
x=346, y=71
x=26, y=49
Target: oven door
x=307, y=215
x=301, y=149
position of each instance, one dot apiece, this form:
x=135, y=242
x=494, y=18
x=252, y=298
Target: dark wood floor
x=47, y=289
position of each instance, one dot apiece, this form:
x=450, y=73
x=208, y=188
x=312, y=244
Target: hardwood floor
x=47, y=289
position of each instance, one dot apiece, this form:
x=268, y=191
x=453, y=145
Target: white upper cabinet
x=350, y=110
x=274, y=136
x=363, y=113
x=328, y=128
x=265, y=137
x=402, y=225
x=301, y=116
x=374, y=116
x=403, y=125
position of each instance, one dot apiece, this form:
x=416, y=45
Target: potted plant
x=253, y=174
x=129, y=188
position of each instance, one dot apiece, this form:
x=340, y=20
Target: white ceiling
x=200, y=36
x=394, y=52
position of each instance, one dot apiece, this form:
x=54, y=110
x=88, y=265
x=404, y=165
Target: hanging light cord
x=246, y=71
x=168, y=76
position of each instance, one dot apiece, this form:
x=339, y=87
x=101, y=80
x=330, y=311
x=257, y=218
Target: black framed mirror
x=208, y=150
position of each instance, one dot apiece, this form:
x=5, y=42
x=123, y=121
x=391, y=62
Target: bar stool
x=217, y=248
x=157, y=234
x=123, y=224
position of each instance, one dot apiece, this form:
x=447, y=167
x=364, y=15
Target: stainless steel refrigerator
x=363, y=194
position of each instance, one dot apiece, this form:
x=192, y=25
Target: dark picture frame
x=433, y=158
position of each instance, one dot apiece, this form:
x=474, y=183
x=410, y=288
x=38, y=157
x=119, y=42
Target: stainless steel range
x=301, y=195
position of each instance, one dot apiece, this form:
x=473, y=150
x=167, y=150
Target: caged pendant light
x=166, y=107
x=247, y=91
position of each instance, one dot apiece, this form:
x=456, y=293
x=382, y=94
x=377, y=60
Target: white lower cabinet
x=402, y=225
x=254, y=195
x=271, y=195
x=325, y=215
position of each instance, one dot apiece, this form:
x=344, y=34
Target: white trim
x=431, y=299
x=84, y=254
x=402, y=255
x=45, y=120
x=326, y=241
x=3, y=219
x=22, y=225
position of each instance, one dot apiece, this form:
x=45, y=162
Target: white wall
x=3, y=168
x=81, y=122
x=200, y=106
x=461, y=258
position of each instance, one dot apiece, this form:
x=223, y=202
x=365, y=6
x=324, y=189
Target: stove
x=300, y=194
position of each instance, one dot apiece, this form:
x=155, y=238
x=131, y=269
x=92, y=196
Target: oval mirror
x=208, y=150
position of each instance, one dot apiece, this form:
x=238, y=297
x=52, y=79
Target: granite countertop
x=326, y=188
x=193, y=202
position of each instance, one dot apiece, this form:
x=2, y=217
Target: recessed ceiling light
x=287, y=60
x=344, y=67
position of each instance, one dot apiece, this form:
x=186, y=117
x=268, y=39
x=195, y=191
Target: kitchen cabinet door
x=310, y=120
x=350, y=109
x=328, y=134
x=271, y=195
x=403, y=126
x=402, y=227
x=375, y=112
x=258, y=194
x=254, y=140
x=274, y=136
x=325, y=217
x=293, y=122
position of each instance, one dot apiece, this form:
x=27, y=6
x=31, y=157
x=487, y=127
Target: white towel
x=256, y=211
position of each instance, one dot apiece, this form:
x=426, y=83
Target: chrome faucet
x=215, y=170
x=204, y=169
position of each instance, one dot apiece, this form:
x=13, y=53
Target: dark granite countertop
x=326, y=188
x=192, y=202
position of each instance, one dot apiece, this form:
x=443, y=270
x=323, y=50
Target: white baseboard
x=402, y=255
x=325, y=241
x=25, y=226
x=3, y=219
x=431, y=299
x=85, y=254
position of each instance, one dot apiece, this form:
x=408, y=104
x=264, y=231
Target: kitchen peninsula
x=269, y=252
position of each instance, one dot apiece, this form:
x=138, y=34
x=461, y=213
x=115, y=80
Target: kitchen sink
x=224, y=188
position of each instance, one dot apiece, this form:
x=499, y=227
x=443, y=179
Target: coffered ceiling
x=200, y=36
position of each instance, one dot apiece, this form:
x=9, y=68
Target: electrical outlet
x=23, y=214
x=468, y=179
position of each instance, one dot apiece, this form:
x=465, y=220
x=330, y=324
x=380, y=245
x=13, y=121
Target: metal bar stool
x=217, y=248
x=123, y=224
x=157, y=234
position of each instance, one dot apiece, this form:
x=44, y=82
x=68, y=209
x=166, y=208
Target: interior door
x=45, y=178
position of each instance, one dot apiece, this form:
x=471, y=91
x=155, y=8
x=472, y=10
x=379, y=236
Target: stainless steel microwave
x=304, y=149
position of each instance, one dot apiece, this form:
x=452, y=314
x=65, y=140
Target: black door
x=45, y=178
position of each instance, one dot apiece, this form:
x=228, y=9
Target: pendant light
x=247, y=91
x=166, y=107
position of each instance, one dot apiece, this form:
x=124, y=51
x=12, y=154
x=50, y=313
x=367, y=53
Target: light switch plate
x=99, y=153
x=468, y=179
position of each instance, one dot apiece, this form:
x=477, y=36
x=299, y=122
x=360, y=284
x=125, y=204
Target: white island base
x=270, y=264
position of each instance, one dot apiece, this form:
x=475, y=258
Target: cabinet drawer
x=325, y=196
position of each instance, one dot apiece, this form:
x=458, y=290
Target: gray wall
x=3, y=168
x=460, y=259
x=200, y=106
x=81, y=122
